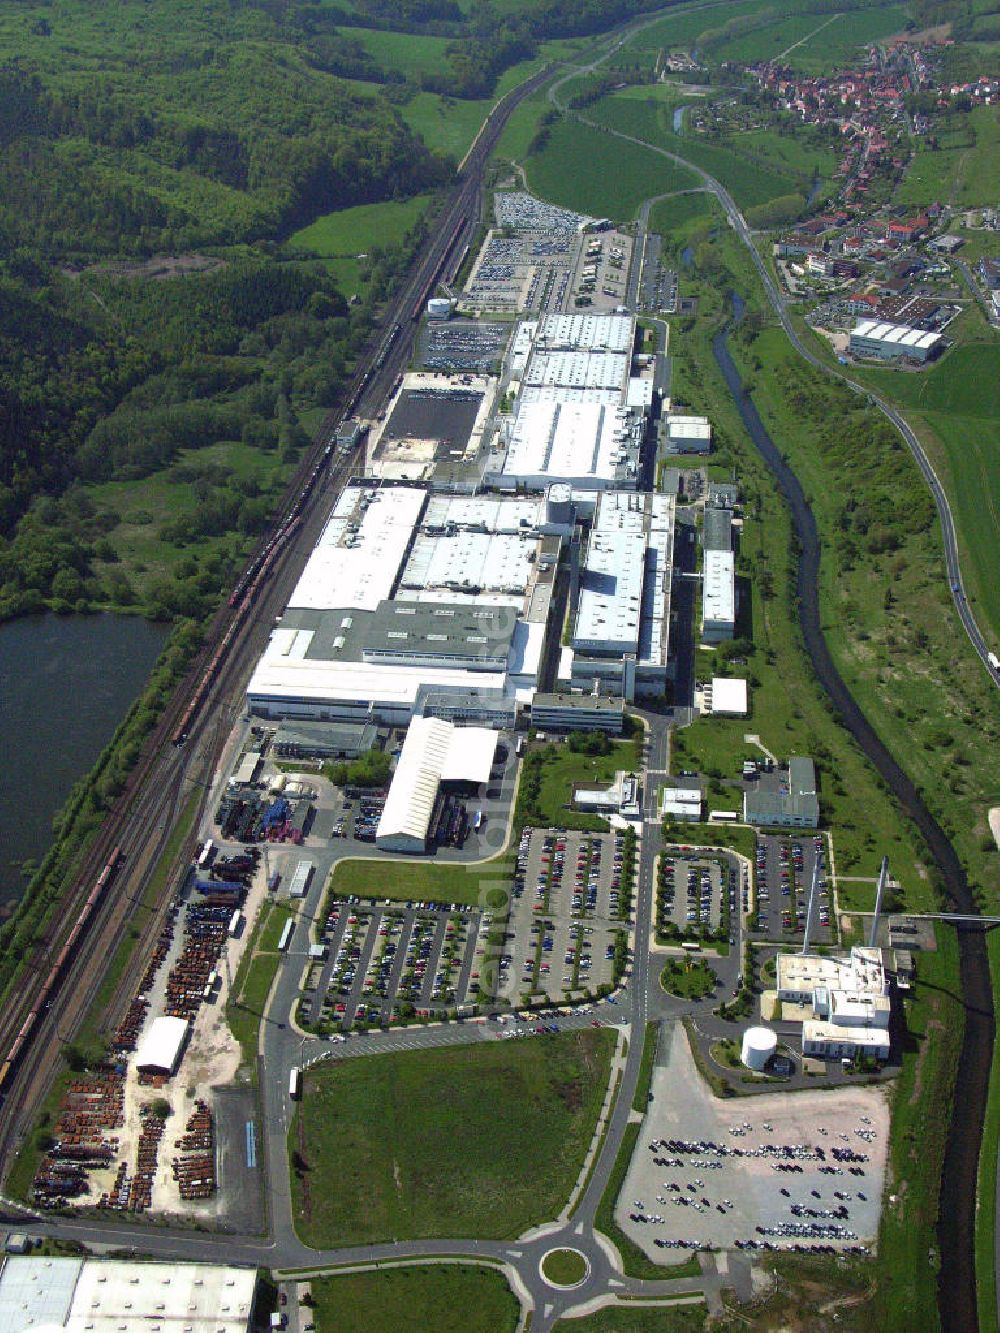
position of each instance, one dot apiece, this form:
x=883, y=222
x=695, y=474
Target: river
x=65, y=684
x=956, y=1226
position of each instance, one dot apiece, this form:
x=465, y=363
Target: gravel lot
x=748, y=1189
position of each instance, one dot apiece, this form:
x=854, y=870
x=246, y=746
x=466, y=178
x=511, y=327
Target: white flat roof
x=573, y=441
x=36, y=1292
x=358, y=555
x=814, y=1029
x=611, y=591
x=496, y=562
x=719, y=588
x=879, y=331
x=689, y=428
x=592, y=332
x=577, y=370
x=729, y=696
x=490, y=512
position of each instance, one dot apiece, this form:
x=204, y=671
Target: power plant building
x=846, y=1002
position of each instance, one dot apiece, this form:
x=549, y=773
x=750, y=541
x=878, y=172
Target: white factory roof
x=348, y=683
x=576, y=441
x=494, y=562
x=878, y=331
x=719, y=592
x=611, y=333
x=577, y=370
x=162, y=1044
x=859, y=1009
x=680, y=801
x=729, y=696
x=639, y=393
x=688, y=428
x=611, y=591
x=434, y=751
x=860, y=973
x=814, y=1030
x=489, y=512
x=105, y=1296
x=357, y=558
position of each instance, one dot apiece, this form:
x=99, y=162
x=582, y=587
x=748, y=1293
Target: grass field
x=690, y=978
x=789, y=153
x=670, y=1317
x=411, y=54
x=444, y=1298
x=921, y=1110
x=481, y=1140
x=447, y=125
x=421, y=880
x=561, y=767
x=584, y=169
x=750, y=182
x=353, y=231
x=964, y=174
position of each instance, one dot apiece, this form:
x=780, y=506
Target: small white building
x=728, y=697
x=161, y=1048
x=688, y=435
x=681, y=803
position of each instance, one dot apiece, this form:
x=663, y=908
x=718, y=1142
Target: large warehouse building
x=108, y=1296
x=718, y=620
x=892, y=342
x=434, y=752
x=411, y=603
x=621, y=634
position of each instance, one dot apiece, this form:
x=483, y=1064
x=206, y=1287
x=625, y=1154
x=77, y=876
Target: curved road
x=739, y=225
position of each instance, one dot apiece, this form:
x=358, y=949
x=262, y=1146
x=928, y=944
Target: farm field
x=964, y=174
x=749, y=182
x=828, y=41
x=443, y=1298
x=785, y=152
x=958, y=403
x=584, y=169
x=484, y=1140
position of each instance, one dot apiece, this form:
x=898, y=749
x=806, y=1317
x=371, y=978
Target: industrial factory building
x=777, y=800
x=892, y=342
x=111, y=1296
x=843, y=1002
x=620, y=643
x=409, y=601
x=718, y=622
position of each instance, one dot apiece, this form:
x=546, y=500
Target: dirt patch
x=925, y=37
x=157, y=268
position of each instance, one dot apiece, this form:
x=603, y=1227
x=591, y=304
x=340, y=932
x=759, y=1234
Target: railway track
x=143, y=818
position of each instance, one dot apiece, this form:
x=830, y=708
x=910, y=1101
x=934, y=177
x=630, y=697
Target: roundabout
x=564, y=1268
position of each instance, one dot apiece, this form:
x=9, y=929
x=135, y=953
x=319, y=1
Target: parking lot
x=463, y=345
x=695, y=892
x=784, y=876
x=658, y=285
x=601, y=272
x=385, y=961
x=567, y=894
x=777, y=1170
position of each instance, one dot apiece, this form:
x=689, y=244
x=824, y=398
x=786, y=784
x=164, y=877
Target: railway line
x=65, y=973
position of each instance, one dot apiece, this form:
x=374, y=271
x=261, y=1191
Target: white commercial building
x=727, y=696
x=621, y=634
x=681, y=803
x=718, y=597
x=433, y=752
x=107, y=1296
x=161, y=1048
x=890, y=342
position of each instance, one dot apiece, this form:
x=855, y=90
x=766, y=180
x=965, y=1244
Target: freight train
x=57, y=971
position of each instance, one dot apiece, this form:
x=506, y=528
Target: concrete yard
x=683, y=1108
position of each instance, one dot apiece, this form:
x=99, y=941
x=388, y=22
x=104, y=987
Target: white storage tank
x=438, y=307
x=759, y=1045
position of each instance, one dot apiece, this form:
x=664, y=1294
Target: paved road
x=739, y=225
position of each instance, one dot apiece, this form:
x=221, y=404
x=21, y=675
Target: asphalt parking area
x=784, y=877
x=776, y=1161
x=566, y=896
x=394, y=961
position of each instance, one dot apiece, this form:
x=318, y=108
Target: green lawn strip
x=666, y=1316
x=986, y=1195
x=603, y=1139
x=443, y=1298
x=650, y=1038
x=548, y=801
x=481, y=1141
x=88, y=1039
x=470, y=885
x=635, y=1262
x=907, y=1293
x=255, y=975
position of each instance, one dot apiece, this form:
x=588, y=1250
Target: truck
x=994, y=661
x=295, y=1083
